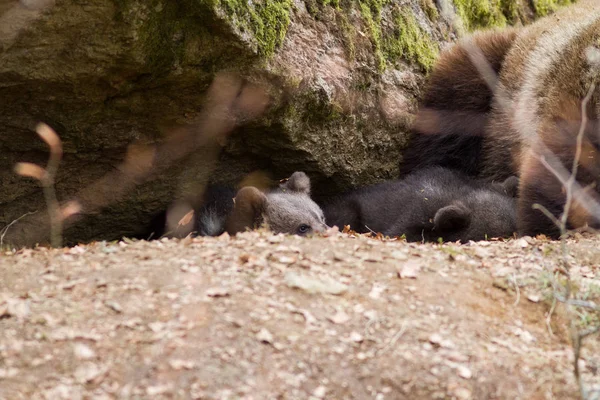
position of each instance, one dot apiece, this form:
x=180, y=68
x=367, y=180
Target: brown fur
x=534, y=114
x=249, y=206
x=540, y=113
x=456, y=104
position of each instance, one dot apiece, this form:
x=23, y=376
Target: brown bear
x=520, y=113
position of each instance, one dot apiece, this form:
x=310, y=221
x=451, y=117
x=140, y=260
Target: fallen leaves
x=214, y=317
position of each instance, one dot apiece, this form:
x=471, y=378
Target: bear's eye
x=303, y=229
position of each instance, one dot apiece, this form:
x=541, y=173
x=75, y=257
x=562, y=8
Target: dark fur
x=543, y=75
x=217, y=206
x=429, y=204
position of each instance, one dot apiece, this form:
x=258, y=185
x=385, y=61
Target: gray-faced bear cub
x=429, y=204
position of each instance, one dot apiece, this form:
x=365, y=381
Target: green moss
x=477, y=14
x=410, y=41
x=510, y=9
x=266, y=20
x=371, y=12
x=545, y=7
x=348, y=34
x=429, y=7
x=158, y=34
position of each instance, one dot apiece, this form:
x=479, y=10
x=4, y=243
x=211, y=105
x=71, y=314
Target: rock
x=322, y=86
x=409, y=270
x=464, y=372
x=339, y=318
x=265, y=336
x=314, y=285
x=83, y=352
x=149, y=71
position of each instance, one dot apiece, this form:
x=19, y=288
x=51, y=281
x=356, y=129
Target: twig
x=549, y=316
x=514, y=280
x=578, y=150
x=5, y=229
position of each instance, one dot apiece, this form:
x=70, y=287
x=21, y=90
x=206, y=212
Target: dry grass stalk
x=46, y=177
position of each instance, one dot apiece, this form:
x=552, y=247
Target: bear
x=428, y=205
x=285, y=209
x=524, y=118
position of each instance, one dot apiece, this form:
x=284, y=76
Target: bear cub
x=286, y=209
x=429, y=204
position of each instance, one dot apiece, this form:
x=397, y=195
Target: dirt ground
x=261, y=316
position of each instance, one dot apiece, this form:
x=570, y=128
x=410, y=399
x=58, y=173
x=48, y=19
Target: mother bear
x=511, y=102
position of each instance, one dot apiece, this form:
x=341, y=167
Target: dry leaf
x=186, y=219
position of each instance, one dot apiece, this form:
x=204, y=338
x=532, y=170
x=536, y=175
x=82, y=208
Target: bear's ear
x=298, y=182
x=451, y=218
x=511, y=186
x=249, y=205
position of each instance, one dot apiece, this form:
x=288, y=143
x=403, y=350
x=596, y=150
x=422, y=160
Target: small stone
x=320, y=392
x=399, y=255
x=356, y=337
x=522, y=243
x=83, y=352
x=15, y=308
x=409, y=270
x=88, y=372
x=113, y=305
x=534, y=298
x=275, y=238
x=463, y=394
x=158, y=389
x=217, y=292
x=314, y=285
x=376, y=291
x=481, y=253
x=265, y=336
x=8, y=373
x=339, y=318
x=435, y=339
x=286, y=260
x=156, y=326
x=181, y=364
x=464, y=372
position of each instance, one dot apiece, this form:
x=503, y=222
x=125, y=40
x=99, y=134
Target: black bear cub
x=429, y=204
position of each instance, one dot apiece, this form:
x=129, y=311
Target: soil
x=264, y=316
